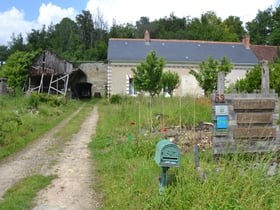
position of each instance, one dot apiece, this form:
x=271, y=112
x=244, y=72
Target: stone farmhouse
x=51, y=73
x=180, y=56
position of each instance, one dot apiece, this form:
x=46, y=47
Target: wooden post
x=265, y=77
x=221, y=83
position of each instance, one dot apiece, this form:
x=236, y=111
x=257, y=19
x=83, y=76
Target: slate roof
x=179, y=51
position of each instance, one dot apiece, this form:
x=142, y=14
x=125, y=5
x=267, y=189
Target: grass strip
x=21, y=195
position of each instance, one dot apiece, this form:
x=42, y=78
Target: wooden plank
x=254, y=118
x=250, y=104
x=260, y=132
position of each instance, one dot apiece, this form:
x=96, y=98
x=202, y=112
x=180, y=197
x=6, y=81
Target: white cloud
x=12, y=21
x=126, y=11
x=50, y=13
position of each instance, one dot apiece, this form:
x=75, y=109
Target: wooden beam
x=258, y=132
x=257, y=104
x=255, y=118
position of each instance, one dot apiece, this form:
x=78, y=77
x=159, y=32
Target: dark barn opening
x=84, y=90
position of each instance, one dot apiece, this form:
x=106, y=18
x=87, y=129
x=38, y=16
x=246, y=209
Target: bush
x=33, y=101
x=116, y=99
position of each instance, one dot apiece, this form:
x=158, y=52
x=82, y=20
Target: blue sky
x=31, y=7
x=21, y=16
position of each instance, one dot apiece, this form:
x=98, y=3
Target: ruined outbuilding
x=54, y=75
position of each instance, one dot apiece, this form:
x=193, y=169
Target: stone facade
x=97, y=75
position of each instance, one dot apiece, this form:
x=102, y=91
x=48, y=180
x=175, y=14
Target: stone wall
x=97, y=75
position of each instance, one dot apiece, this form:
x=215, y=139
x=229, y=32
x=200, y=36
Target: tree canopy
x=252, y=80
x=208, y=73
x=170, y=81
x=147, y=74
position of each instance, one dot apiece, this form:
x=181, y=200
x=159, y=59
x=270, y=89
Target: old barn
x=54, y=75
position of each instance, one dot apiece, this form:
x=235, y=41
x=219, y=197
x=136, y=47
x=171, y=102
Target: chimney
x=246, y=41
x=147, y=36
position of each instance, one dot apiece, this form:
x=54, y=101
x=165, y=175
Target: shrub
x=116, y=99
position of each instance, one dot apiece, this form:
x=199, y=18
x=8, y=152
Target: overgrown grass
x=41, y=119
x=22, y=120
x=128, y=174
x=20, y=196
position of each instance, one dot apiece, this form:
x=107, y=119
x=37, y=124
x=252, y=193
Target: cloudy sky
x=20, y=16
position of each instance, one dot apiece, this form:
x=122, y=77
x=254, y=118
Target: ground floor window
x=132, y=90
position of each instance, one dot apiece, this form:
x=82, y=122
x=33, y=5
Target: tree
x=147, y=75
x=252, y=80
x=208, y=73
x=122, y=31
x=170, y=81
x=86, y=28
x=260, y=27
x=16, y=68
x=234, y=26
x=4, y=53
x=16, y=43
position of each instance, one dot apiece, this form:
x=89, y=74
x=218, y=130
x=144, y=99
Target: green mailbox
x=167, y=154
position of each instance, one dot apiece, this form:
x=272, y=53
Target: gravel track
x=70, y=162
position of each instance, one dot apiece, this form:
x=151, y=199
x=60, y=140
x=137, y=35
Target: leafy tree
x=142, y=25
x=16, y=68
x=122, y=31
x=208, y=27
x=100, y=27
x=207, y=74
x=170, y=81
x=171, y=27
x=38, y=39
x=16, y=44
x=65, y=40
x=260, y=27
x=233, y=25
x=86, y=28
x=4, y=53
x=147, y=74
x=252, y=80
x=274, y=37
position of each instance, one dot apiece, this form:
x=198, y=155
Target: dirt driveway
x=72, y=163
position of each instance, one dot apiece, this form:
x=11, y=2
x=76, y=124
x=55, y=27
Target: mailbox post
x=167, y=155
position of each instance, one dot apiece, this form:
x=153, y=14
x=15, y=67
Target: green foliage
x=211, y=27
x=207, y=74
x=24, y=119
x=147, y=74
x=261, y=27
x=33, y=100
x=170, y=81
x=16, y=68
x=116, y=99
x=85, y=26
x=9, y=123
x=21, y=195
x=252, y=80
